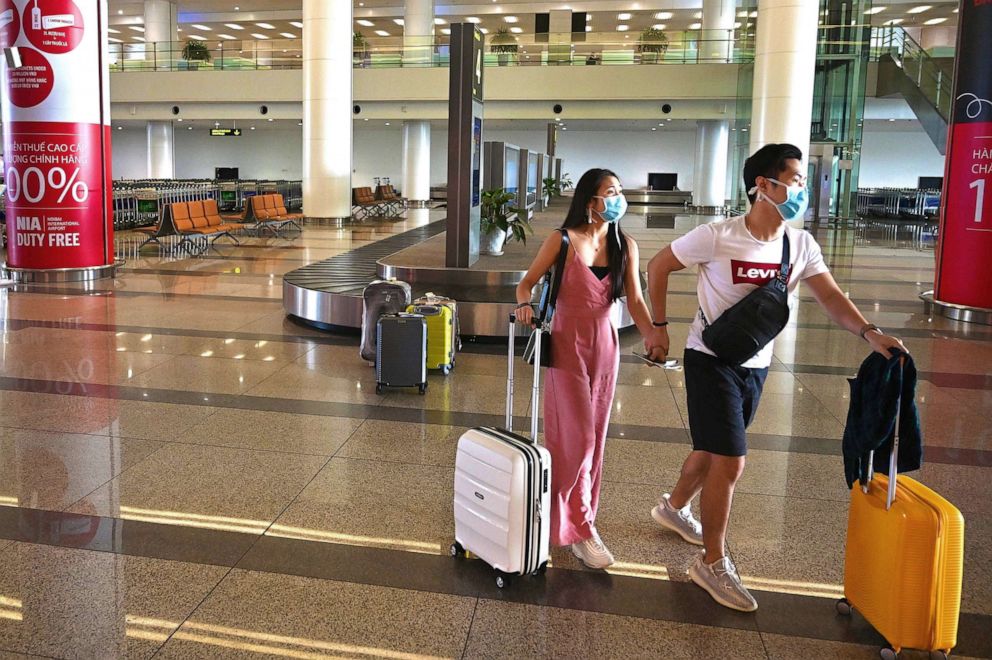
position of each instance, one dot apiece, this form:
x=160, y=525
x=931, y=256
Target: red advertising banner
x=964, y=250
x=56, y=111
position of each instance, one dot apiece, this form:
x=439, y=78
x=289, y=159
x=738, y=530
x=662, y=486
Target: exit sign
x=225, y=132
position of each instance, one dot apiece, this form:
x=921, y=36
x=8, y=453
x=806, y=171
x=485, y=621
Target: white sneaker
x=592, y=552
x=681, y=521
x=721, y=581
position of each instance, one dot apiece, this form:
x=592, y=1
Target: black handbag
x=753, y=321
x=546, y=308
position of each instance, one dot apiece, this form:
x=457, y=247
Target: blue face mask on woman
x=795, y=204
x=614, y=207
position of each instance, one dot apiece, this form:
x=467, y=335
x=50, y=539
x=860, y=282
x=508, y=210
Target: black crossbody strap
x=557, y=275
x=783, y=272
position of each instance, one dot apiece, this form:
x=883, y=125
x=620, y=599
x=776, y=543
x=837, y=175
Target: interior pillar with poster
x=963, y=279
x=56, y=111
x=464, y=146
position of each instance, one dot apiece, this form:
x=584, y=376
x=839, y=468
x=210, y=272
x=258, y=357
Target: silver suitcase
x=379, y=298
x=502, y=491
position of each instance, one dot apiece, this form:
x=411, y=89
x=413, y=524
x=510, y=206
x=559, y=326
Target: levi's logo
x=750, y=272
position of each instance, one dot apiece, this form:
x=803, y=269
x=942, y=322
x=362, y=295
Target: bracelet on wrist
x=659, y=324
x=869, y=327
x=526, y=304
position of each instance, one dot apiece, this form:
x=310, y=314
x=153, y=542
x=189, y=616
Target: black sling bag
x=753, y=321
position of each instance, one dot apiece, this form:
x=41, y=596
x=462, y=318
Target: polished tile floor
x=184, y=472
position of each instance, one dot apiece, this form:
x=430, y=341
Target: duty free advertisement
x=57, y=146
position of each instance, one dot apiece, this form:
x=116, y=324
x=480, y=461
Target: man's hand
x=881, y=343
x=656, y=344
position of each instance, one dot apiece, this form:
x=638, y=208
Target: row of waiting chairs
x=906, y=203
x=384, y=202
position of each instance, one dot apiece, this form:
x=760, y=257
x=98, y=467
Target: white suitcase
x=502, y=491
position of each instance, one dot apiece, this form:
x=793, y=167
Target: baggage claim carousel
x=328, y=294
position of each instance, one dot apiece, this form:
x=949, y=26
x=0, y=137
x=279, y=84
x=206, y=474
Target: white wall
x=895, y=158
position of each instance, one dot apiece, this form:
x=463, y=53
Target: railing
x=608, y=48
x=916, y=63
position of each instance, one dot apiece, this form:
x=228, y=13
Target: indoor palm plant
x=504, y=45
x=652, y=45
x=360, y=47
x=501, y=223
x=194, y=52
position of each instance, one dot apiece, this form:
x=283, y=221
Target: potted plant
x=551, y=189
x=194, y=52
x=360, y=48
x=652, y=45
x=501, y=223
x=504, y=45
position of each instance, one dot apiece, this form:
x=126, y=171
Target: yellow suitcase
x=904, y=560
x=440, y=334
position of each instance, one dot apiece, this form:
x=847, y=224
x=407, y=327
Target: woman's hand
x=656, y=343
x=525, y=315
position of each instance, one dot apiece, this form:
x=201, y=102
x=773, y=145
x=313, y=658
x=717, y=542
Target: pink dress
x=580, y=384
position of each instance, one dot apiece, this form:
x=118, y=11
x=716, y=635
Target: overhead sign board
x=225, y=132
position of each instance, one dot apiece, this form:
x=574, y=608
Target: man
x=734, y=257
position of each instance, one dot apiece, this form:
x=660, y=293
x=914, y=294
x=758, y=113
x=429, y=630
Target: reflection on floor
x=184, y=472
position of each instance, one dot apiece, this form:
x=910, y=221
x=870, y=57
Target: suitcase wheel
x=457, y=550
x=378, y=388
x=541, y=570
x=446, y=369
x=844, y=607
x=888, y=653
x=422, y=388
x=502, y=580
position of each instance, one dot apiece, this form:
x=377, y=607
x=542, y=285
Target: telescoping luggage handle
x=535, y=394
x=890, y=496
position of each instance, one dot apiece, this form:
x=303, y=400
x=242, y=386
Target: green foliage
x=196, y=51
x=497, y=214
x=652, y=40
x=551, y=186
x=359, y=43
x=503, y=42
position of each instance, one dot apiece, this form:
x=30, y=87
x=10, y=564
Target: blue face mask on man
x=614, y=207
x=795, y=204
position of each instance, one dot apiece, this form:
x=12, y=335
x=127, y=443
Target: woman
x=602, y=265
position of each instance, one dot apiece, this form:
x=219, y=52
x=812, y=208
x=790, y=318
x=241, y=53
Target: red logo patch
x=750, y=272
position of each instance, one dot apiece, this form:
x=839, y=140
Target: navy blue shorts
x=722, y=402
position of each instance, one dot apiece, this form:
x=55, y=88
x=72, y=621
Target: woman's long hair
x=616, y=240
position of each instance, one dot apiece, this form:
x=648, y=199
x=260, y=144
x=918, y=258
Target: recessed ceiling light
x=296, y=24
x=197, y=37
x=234, y=26
x=511, y=19
x=253, y=128
x=189, y=128
x=138, y=39
x=237, y=8
x=398, y=21
x=737, y=26
x=516, y=30
x=654, y=129
x=473, y=19
x=446, y=31
x=588, y=28
x=891, y=119
x=753, y=14
x=588, y=17
x=387, y=123
x=894, y=21
x=259, y=36
x=365, y=23
x=288, y=35
x=622, y=27
x=564, y=128
x=120, y=11
x=934, y=21
x=698, y=15
x=120, y=128
x=115, y=40
x=664, y=15
x=484, y=30
x=226, y=36
x=742, y=14
x=695, y=26
x=440, y=21
x=658, y=26
x=875, y=10
x=623, y=17
x=113, y=31
x=136, y=28
x=202, y=27
x=919, y=9
x=266, y=26
x=271, y=119
x=382, y=33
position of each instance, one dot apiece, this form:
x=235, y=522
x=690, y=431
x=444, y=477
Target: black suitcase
x=401, y=352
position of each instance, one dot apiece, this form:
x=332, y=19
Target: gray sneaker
x=680, y=521
x=721, y=581
x=593, y=552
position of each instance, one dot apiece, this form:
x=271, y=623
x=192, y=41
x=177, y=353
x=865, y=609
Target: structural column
x=784, y=67
x=418, y=32
x=709, y=181
x=717, y=37
x=327, y=100
x=161, y=33
x=161, y=150
x=417, y=162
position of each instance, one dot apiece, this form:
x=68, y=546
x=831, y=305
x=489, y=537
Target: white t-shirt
x=733, y=263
